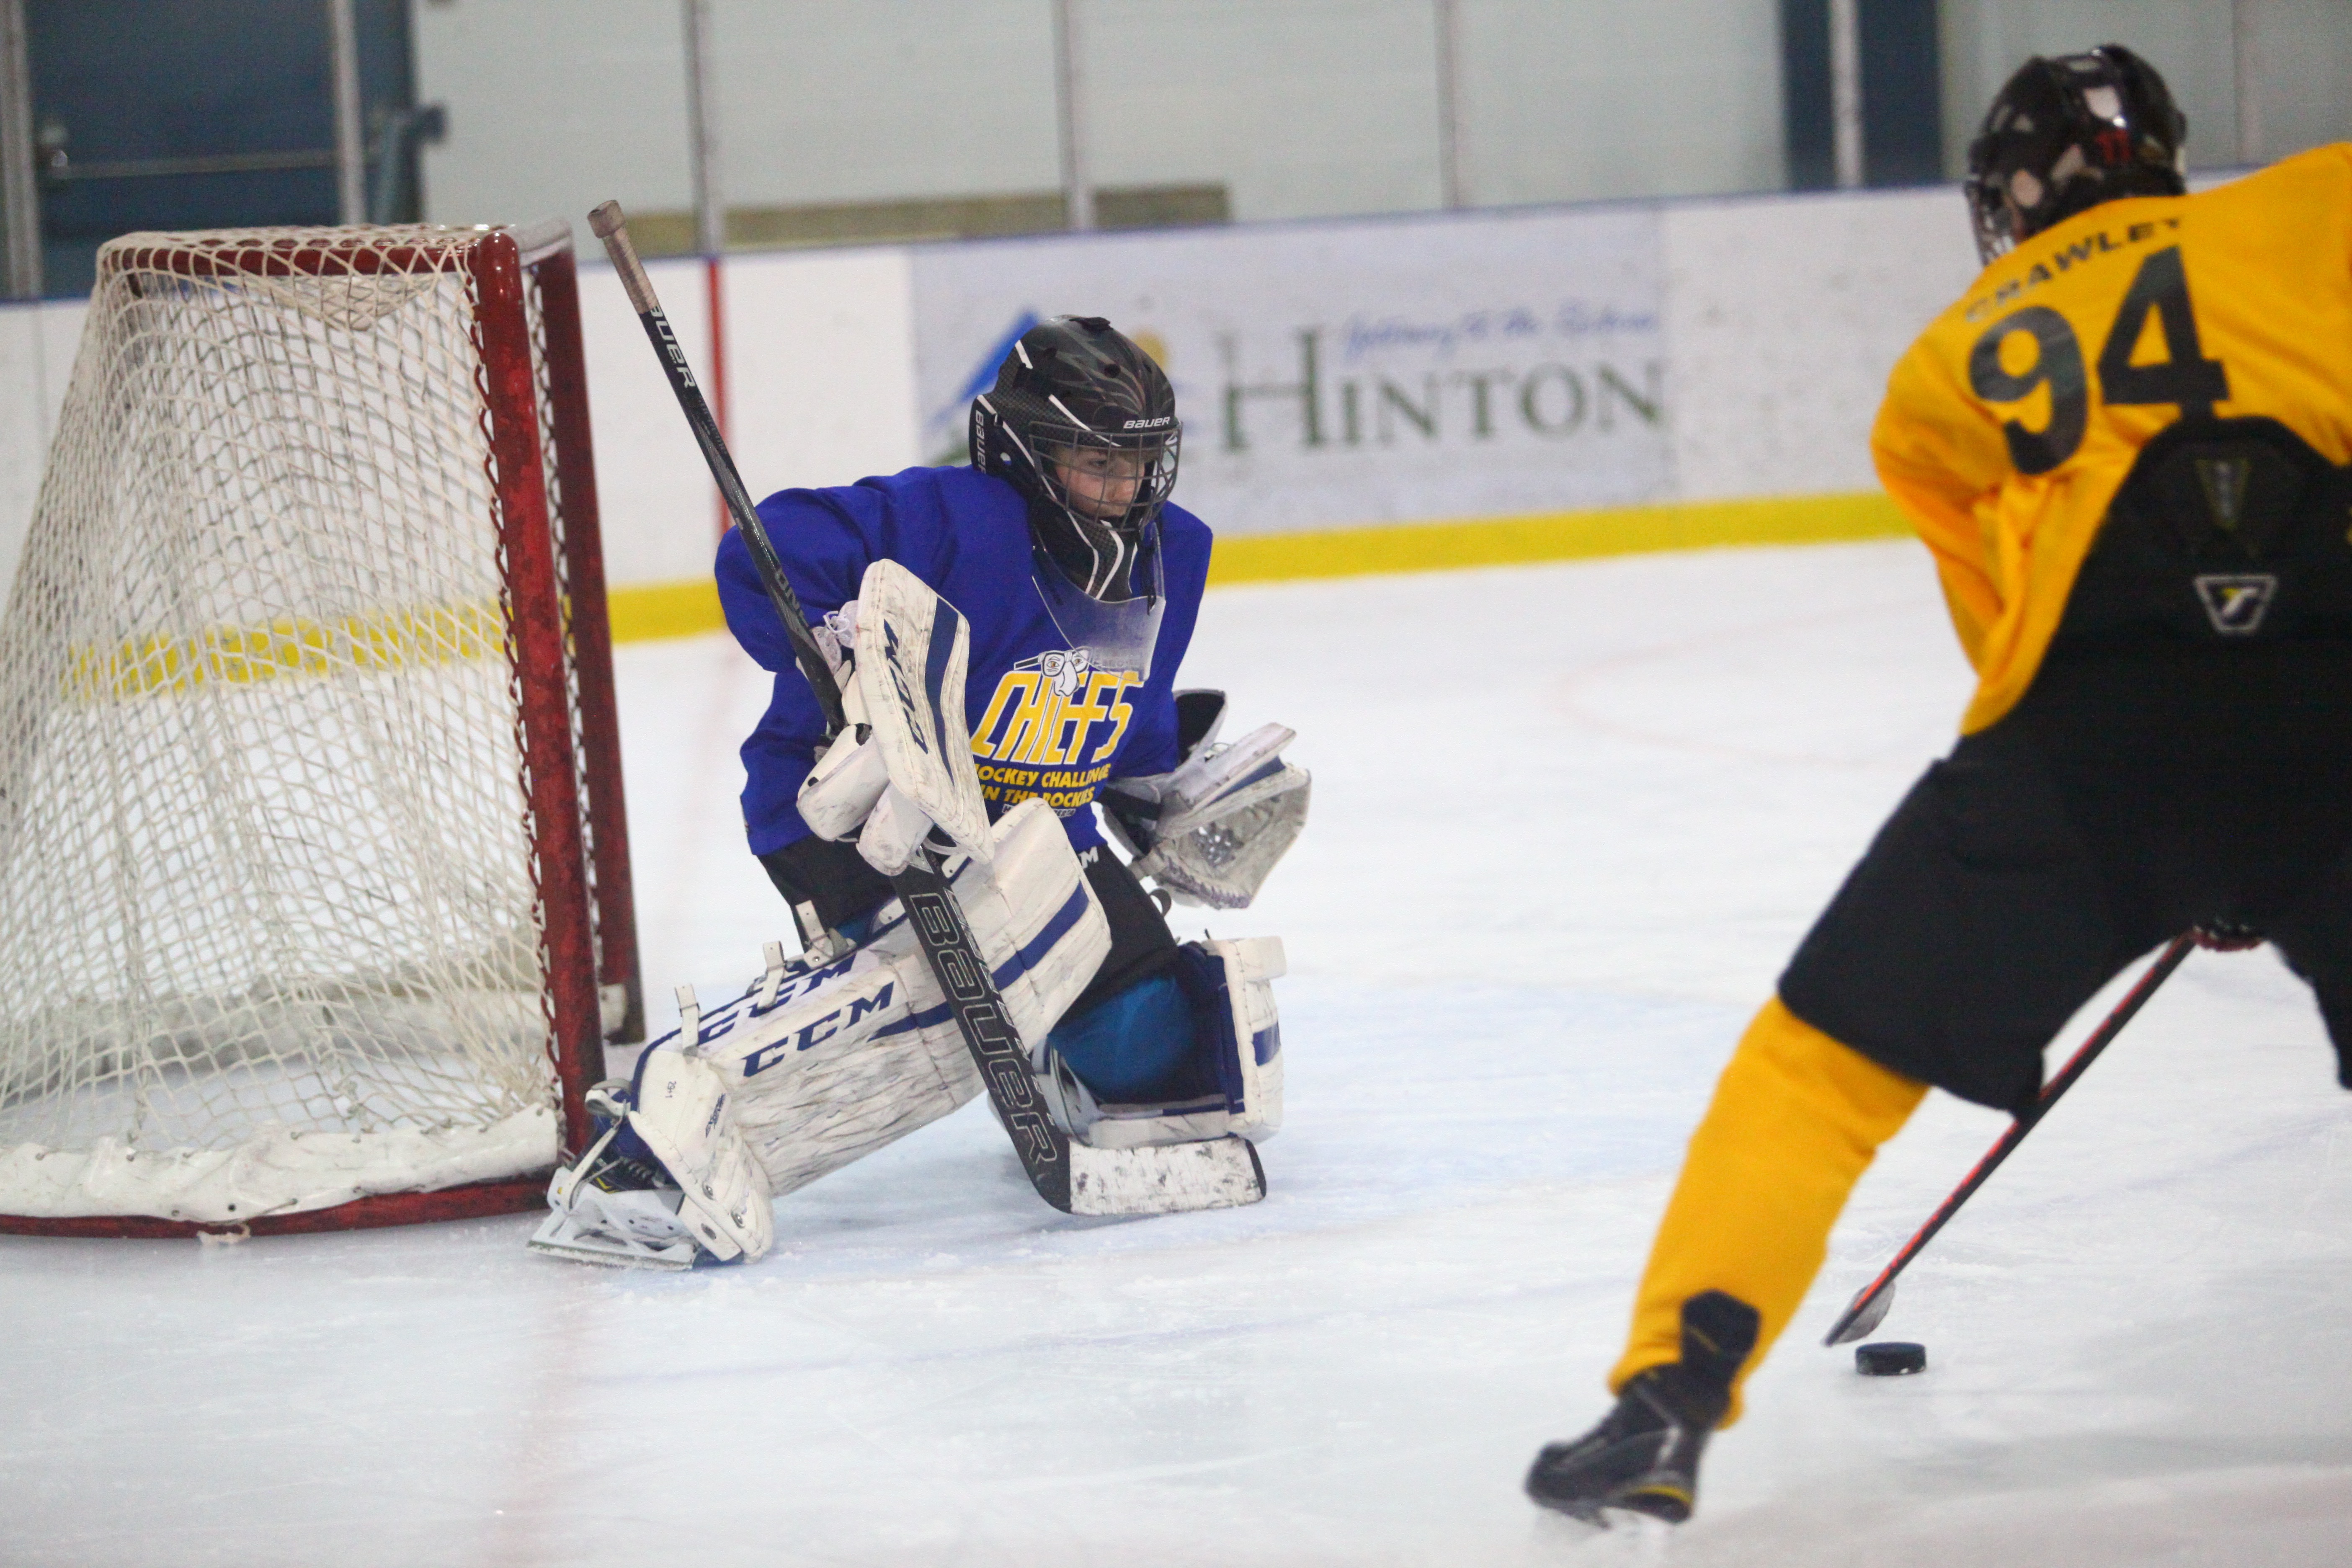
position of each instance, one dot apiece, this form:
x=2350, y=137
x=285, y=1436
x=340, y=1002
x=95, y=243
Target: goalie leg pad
x=669, y=1183
x=829, y=1064
x=816, y=1065
x=680, y=1114
x=1232, y=986
x=1229, y=988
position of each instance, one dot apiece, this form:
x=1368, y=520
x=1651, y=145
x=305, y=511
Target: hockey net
x=314, y=904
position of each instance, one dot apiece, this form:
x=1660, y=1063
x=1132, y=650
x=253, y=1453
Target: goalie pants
x=2129, y=797
x=1129, y=1036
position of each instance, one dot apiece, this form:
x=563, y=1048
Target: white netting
x=265, y=868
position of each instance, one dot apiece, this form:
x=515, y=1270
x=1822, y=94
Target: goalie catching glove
x=1212, y=831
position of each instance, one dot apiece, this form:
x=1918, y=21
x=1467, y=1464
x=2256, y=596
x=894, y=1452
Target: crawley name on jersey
x=1047, y=720
x=2012, y=425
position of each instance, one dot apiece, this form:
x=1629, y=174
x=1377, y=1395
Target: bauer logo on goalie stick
x=677, y=355
x=991, y=1037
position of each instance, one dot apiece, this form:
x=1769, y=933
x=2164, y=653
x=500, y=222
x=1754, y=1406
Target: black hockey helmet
x=2066, y=134
x=1076, y=398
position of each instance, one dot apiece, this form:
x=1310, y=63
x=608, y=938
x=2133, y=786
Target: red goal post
x=315, y=906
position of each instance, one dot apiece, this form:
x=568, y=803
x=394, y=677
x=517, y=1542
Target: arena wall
x=1377, y=395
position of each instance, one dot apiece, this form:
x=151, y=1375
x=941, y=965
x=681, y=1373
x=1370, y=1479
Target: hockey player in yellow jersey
x=2127, y=448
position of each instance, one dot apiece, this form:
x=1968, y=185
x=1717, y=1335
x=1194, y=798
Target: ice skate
x=1644, y=1456
x=619, y=1206
x=670, y=1184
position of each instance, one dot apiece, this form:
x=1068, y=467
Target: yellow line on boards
x=1553, y=536
x=664, y=610
x=683, y=609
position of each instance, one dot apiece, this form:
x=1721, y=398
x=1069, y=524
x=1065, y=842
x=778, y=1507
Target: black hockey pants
x=2131, y=794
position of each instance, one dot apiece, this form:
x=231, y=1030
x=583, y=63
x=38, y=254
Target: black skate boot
x=1644, y=1458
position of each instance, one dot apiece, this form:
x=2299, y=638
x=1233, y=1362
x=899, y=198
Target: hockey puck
x=1890, y=1358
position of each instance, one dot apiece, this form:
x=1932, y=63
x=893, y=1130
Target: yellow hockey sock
x=1795, y=1120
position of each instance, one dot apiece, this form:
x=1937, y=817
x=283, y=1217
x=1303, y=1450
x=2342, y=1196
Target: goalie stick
x=1869, y=1307
x=1073, y=1178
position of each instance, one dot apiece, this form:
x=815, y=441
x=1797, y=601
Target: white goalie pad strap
x=1232, y=986
x=832, y=1062
x=913, y=649
x=844, y=787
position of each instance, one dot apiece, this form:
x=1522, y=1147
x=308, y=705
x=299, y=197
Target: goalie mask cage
x=314, y=888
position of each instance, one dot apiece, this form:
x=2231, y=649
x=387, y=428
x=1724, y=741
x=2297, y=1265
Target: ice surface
x=1568, y=822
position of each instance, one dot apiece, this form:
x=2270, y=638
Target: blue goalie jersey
x=1045, y=720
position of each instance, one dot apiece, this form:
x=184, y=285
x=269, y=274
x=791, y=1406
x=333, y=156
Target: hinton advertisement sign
x=1333, y=374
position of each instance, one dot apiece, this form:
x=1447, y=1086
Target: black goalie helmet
x=2065, y=134
x=1083, y=423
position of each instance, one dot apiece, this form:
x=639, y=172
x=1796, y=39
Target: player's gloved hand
x=1210, y=832
x=894, y=831
x=842, y=790
x=845, y=785
x=849, y=794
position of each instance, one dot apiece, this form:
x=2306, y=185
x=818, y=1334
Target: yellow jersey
x=2012, y=422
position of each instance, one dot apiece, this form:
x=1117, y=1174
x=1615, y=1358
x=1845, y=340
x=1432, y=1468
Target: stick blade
x=1172, y=1178
x=1864, y=1314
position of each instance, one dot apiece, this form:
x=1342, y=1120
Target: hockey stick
x=1106, y=1181
x=1869, y=1307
